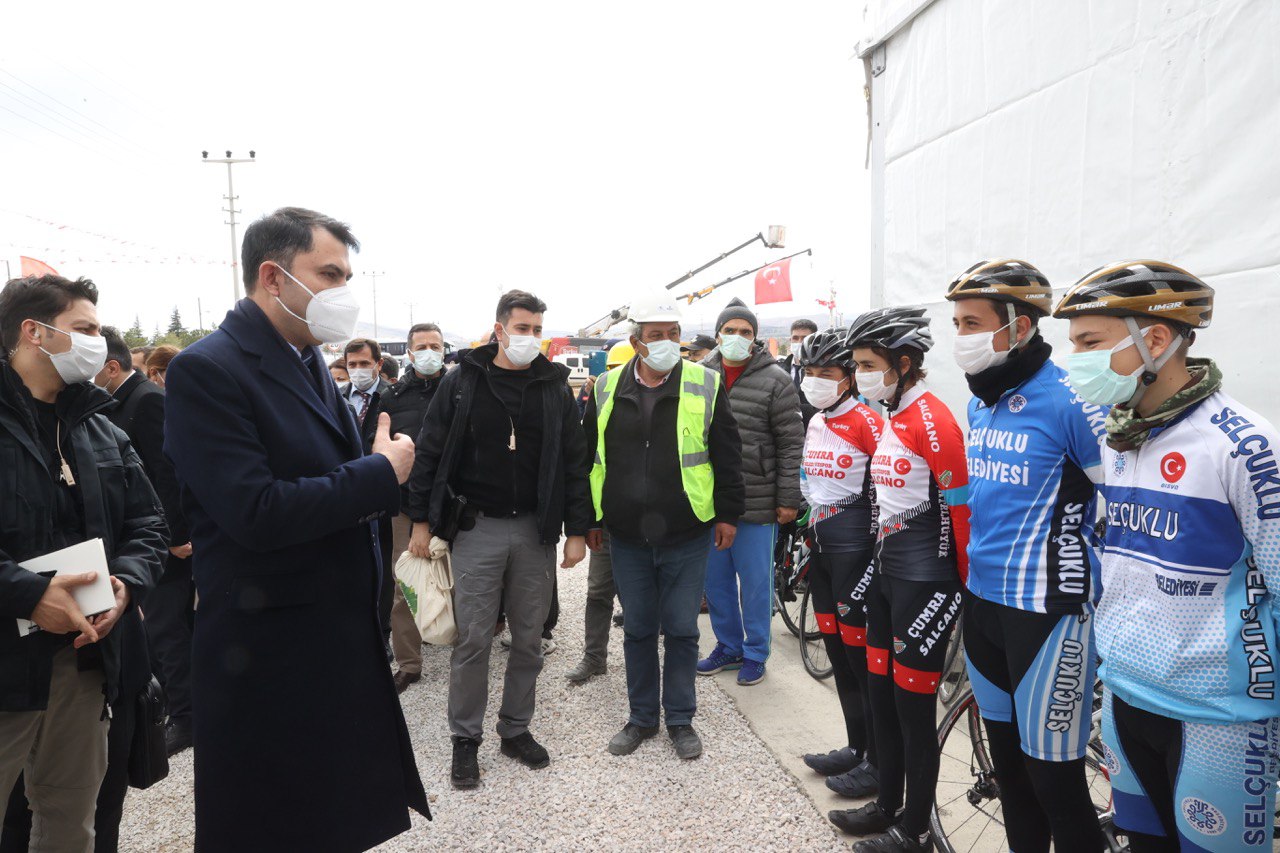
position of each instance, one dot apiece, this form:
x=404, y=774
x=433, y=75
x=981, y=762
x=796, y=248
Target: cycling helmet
x=1140, y=289
x=891, y=328
x=825, y=349
x=1004, y=280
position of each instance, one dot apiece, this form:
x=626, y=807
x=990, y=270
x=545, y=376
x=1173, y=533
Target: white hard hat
x=659, y=307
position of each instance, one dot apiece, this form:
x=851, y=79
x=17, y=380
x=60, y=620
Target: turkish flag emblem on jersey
x=1172, y=467
x=773, y=283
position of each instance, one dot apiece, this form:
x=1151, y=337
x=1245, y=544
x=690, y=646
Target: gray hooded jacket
x=767, y=408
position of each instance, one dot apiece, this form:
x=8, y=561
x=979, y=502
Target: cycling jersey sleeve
x=944, y=453
x=867, y=430
x=1252, y=481
x=1084, y=426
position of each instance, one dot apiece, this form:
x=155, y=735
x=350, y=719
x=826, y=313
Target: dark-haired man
x=299, y=738
x=69, y=476
x=363, y=393
x=509, y=413
x=170, y=606
x=407, y=402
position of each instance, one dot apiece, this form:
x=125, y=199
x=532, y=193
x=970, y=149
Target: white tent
x=1071, y=133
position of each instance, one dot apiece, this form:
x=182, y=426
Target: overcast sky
x=584, y=151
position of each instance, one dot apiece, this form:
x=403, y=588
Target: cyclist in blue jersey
x=1034, y=462
x=1186, y=627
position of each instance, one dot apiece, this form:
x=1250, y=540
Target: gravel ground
x=735, y=797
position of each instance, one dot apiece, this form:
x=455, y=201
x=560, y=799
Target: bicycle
x=955, y=671
x=790, y=565
x=966, y=814
x=813, y=650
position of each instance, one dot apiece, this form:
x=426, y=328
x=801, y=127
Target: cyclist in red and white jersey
x=921, y=485
x=836, y=482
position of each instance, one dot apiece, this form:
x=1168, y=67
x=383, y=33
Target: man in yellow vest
x=667, y=482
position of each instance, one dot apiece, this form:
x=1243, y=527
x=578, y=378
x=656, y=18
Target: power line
x=76, y=111
x=44, y=112
x=63, y=136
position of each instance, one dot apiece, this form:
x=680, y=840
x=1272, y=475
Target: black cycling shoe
x=896, y=840
x=466, y=769
x=859, y=783
x=835, y=762
x=867, y=820
x=526, y=750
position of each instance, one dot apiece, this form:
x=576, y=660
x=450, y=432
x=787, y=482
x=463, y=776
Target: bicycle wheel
x=955, y=674
x=813, y=650
x=966, y=811
x=791, y=557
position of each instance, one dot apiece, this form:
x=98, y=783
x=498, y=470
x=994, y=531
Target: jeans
x=740, y=592
x=661, y=588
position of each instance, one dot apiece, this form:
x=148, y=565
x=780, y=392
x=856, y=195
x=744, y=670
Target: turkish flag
x=773, y=283
x=30, y=266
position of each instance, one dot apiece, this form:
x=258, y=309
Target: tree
x=175, y=325
x=135, y=337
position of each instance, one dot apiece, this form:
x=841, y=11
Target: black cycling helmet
x=891, y=328
x=826, y=349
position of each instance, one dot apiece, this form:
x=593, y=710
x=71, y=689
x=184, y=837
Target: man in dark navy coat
x=300, y=743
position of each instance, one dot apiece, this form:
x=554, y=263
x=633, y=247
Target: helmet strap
x=1013, y=326
x=1151, y=366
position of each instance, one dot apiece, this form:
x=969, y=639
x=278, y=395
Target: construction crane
x=776, y=239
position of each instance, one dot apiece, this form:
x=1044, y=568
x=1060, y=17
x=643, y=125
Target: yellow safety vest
x=698, y=387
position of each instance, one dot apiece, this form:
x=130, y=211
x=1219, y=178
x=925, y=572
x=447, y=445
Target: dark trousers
x=386, y=590
x=661, y=590
x=170, y=609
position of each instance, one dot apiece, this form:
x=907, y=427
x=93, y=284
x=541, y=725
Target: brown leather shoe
x=403, y=679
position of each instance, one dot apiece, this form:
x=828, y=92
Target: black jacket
x=564, y=493
x=788, y=364
x=119, y=506
x=407, y=401
x=643, y=494
x=140, y=414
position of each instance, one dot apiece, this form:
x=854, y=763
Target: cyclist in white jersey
x=1186, y=627
x=836, y=481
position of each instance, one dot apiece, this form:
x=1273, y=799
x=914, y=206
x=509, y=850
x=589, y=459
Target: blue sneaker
x=718, y=660
x=752, y=672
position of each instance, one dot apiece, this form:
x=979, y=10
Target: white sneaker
x=505, y=641
x=548, y=646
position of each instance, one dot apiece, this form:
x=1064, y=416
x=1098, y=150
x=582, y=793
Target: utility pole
x=200, y=313
x=831, y=306
x=8, y=272
x=410, y=315
x=231, y=211
x=374, y=276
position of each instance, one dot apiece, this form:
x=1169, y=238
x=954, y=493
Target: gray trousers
x=62, y=754
x=501, y=561
x=599, y=612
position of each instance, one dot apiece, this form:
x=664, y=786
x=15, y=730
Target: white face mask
x=821, y=393
x=976, y=353
x=663, y=355
x=363, y=378
x=872, y=386
x=331, y=314
x=735, y=347
x=83, y=361
x=428, y=362
x=521, y=349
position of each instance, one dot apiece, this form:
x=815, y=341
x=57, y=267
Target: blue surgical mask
x=1094, y=380
x=735, y=347
x=663, y=355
